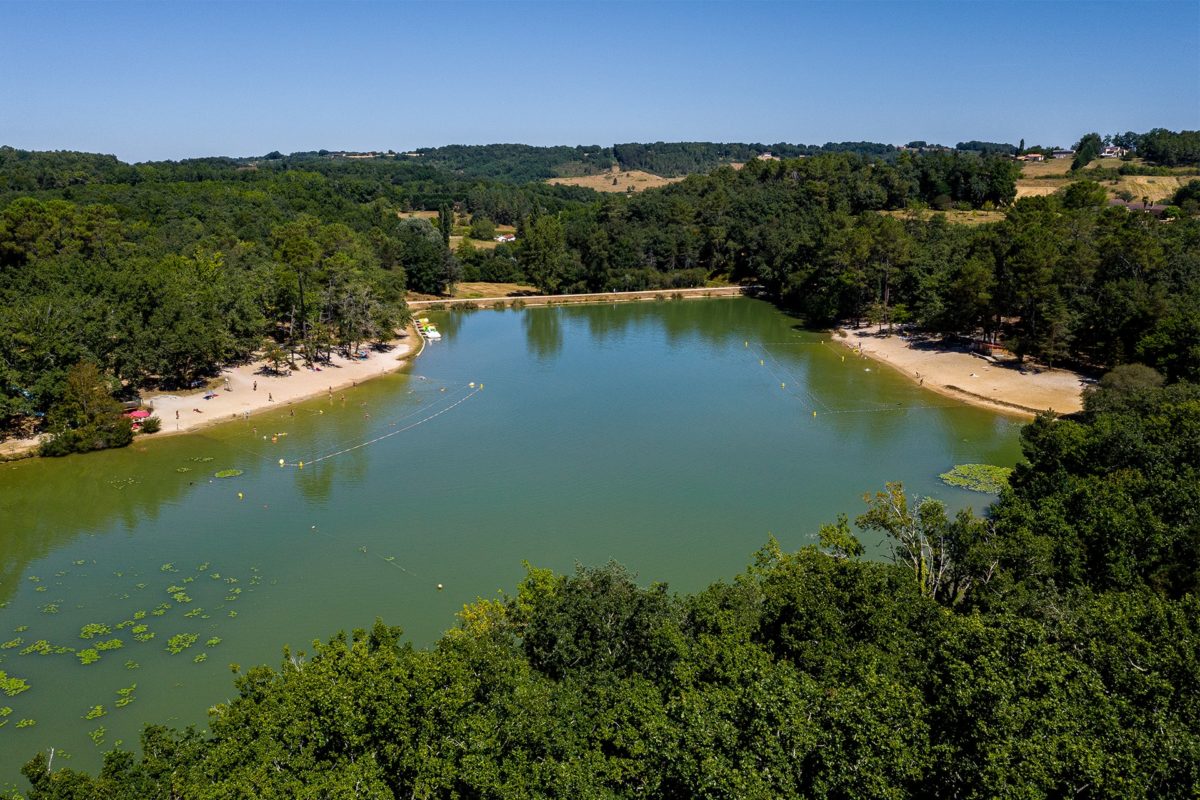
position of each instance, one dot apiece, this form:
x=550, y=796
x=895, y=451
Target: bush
x=151, y=425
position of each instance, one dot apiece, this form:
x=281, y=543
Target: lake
x=671, y=436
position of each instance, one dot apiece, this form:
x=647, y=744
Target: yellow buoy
x=280, y=460
x=240, y=495
x=440, y=587
x=301, y=465
x=760, y=362
x=471, y=384
x=745, y=344
x=814, y=413
x=783, y=386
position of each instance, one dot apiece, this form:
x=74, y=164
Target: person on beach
x=270, y=398
x=177, y=413
x=256, y=386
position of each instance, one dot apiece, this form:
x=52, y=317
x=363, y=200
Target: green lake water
x=673, y=437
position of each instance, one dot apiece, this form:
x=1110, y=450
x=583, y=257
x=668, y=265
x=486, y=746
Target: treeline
x=518, y=162
x=1059, y=279
x=1049, y=650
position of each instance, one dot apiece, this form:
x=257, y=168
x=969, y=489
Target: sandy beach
x=248, y=389
x=998, y=384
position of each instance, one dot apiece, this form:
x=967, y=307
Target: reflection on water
x=671, y=436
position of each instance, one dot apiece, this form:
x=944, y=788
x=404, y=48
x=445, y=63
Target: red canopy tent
x=139, y=414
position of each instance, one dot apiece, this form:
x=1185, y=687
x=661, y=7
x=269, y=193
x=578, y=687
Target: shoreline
x=247, y=390
x=994, y=384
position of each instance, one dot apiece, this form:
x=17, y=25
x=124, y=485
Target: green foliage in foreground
x=978, y=477
x=808, y=676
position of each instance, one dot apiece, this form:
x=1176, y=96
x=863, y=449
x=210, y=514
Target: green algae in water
x=213, y=642
x=11, y=643
x=88, y=656
x=132, y=665
x=94, y=629
x=180, y=642
x=95, y=712
x=97, y=736
x=227, y=473
x=200, y=659
x=26, y=723
x=11, y=685
x=110, y=644
x=978, y=477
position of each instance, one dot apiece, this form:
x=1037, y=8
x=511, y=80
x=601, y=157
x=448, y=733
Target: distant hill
x=520, y=163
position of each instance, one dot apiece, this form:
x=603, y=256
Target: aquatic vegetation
x=232, y=614
x=26, y=723
x=123, y=624
x=172, y=589
x=95, y=712
x=200, y=659
x=203, y=567
x=131, y=664
x=12, y=685
x=139, y=615
x=97, y=736
x=49, y=608
x=213, y=642
x=41, y=647
x=195, y=612
x=181, y=597
x=231, y=580
x=978, y=477
x=110, y=644
x=139, y=586
x=40, y=589
x=11, y=643
x=79, y=563
x=227, y=473
x=216, y=576
x=161, y=609
x=94, y=629
x=20, y=629
x=88, y=656
x=202, y=460
x=33, y=579
x=5, y=711
x=144, y=636
x=183, y=469
x=125, y=696
x=168, y=567
x=180, y=642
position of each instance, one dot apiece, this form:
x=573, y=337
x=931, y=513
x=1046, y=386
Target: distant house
x=1155, y=209
x=1064, y=153
x=1112, y=151
x=505, y=238
x=1034, y=157
x=766, y=157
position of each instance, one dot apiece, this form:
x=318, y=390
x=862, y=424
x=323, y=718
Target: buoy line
x=475, y=389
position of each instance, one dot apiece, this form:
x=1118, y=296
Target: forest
x=156, y=274
x=1050, y=648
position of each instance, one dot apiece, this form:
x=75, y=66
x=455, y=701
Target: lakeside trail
x=998, y=385
x=248, y=389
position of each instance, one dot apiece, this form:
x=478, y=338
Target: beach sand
x=955, y=372
x=238, y=397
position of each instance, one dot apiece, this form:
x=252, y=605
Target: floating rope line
x=816, y=401
x=300, y=464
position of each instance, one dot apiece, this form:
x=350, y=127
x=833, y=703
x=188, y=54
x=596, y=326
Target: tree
x=446, y=222
x=1087, y=150
x=1084, y=194
x=86, y=417
x=542, y=254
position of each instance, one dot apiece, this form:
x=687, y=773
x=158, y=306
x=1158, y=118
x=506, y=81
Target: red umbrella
x=139, y=414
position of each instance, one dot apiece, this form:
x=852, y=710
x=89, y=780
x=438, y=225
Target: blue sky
x=176, y=80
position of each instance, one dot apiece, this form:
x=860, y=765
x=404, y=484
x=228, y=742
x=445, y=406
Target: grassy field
x=617, y=181
x=469, y=290
x=953, y=217
x=1050, y=176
